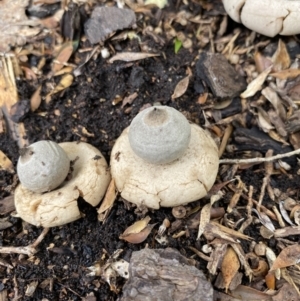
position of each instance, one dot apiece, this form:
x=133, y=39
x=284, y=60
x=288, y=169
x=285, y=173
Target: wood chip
x=219, y=75
x=106, y=20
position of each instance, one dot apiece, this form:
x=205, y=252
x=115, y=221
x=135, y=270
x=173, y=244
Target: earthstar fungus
x=162, y=160
x=89, y=177
x=267, y=17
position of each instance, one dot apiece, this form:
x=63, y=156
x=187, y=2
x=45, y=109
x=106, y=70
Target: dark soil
x=79, y=244
x=62, y=268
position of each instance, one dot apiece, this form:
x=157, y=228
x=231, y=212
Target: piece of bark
x=106, y=20
x=7, y=205
x=255, y=140
x=164, y=275
x=219, y=75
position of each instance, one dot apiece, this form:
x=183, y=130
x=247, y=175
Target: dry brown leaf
x=15, y=27
x=287, y=257
x=264, y=120
x=265, y=220
x=261, y=270
x=137, y=226
x=271, y=257
x=246, y=293
x=68, y=69
x=274, y=99
x=243, y=260
x=108, y=201
x=230, y=266
x=261, y=62
x=274, y=135
x=294, y=139
x=137, y=232
x=286, y=74
x=287, y=293
x=202, y=98
x=281, y=58
x=256, y=84
x=63, y=56
x=29, y=74
x=284, y=212
x=5, y=163
x=65, y=82
x=131, y=56
x=270, y=281
x=294, y=92
x=36, y=99
x=31, y=287
x=295, y=214
x=222, y=104
x=53, y=21
x=277, y=122
x=181, y=87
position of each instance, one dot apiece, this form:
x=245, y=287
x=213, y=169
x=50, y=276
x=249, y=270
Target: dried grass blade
x=131, y=56
x=8, y=98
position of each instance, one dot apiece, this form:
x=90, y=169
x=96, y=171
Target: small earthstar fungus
x=281, y=17
x=163, y=160
x=50, y=187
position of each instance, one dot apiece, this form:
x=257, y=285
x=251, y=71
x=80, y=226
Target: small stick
x=259, y=160
x=227, y=134
x=262, y=207
x=16, y=286
x=28, y=250
x=200, y=254
x=40, y=238
x=249, y=207
x=279, y=218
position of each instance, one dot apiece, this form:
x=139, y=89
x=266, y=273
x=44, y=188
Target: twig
x=259, y=160
x=200, y=254
x=279, y=217
x=249, y=207
x=40, y=238
x=16, y=290
x=226, y=136
x=28, y=250
x=266, y=180
x=262, y=208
